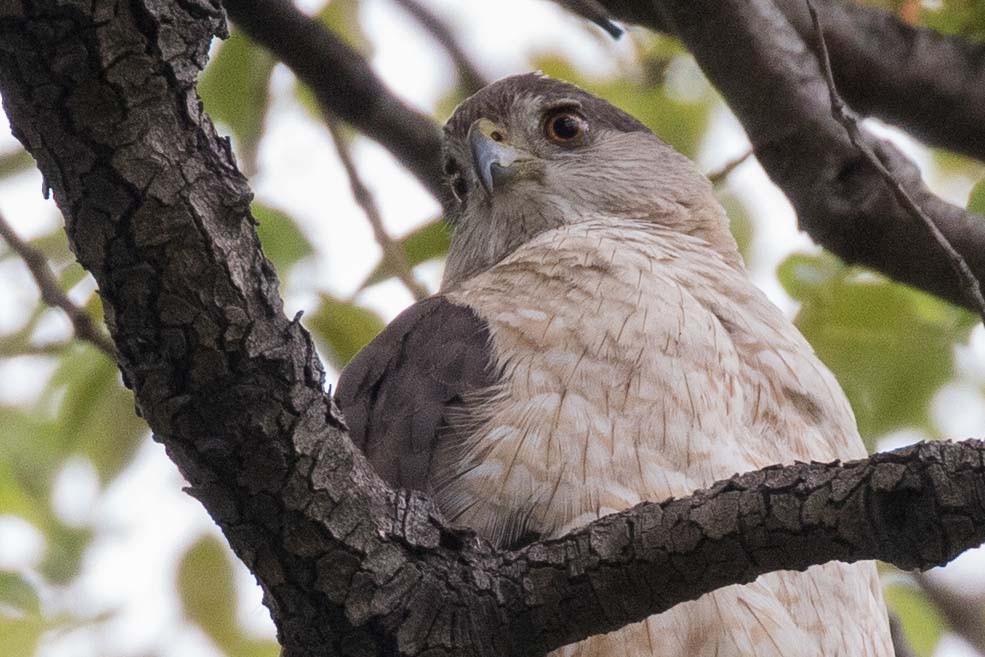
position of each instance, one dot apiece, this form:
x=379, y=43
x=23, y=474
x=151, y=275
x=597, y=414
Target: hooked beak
x=492, y=158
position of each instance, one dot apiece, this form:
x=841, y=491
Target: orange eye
x=565, y=127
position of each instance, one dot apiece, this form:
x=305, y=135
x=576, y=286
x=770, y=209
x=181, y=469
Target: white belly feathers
x=637, y=365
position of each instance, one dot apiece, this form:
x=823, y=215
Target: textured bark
x=102, y=96
x=755, y=54
x=773, y=82
x=929, y=84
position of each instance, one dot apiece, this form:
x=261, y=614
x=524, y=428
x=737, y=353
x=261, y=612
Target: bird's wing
x=409, y=389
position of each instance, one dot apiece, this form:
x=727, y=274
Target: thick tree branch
x=102, y=95
x=970, y=287
x=929, y=84
x=774, y=84
x=344, y=83
x=759, y=58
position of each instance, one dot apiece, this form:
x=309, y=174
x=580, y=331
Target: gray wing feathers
x=409, y=388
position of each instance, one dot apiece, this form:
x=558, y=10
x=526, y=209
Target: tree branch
x=772, y=81
x=840, y=200
x=51, y=291
x=905, y=75
x=970, y=288
x=931, y=85
x=469, y=76
x=344, y=84
x=393, y=253
x=102, y=96
x=719, y=176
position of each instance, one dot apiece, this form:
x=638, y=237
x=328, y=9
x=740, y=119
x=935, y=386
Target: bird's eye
x=456, y=180
x=565, y=127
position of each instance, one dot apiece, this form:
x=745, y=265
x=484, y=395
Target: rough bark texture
x=927, y=83
x=776, y=88
x=102, y=96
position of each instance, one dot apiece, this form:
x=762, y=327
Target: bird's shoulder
x=413, y=385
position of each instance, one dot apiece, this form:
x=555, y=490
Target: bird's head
x=530, y=153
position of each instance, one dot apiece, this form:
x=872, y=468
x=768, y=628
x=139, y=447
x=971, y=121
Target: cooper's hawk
x=596, y=342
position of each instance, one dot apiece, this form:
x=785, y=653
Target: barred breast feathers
x=638, y=365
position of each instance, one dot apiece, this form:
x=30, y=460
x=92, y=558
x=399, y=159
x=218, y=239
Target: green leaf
x=964, y=17
x=282, y=240
x=923, y=625
x=15, y=161
x=17, y=592
x=29, y=452
x=234, y=90
x=96, y=417
x=342, y=18
x=344, y=328
x=976, y=200
x=205, y=586
x=428, y=242
x=740, y=223
x=65, y=548
x=890, y=346
x=20, y=636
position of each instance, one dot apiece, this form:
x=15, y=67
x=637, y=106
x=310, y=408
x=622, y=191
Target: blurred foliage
x=976, y=200
x=234, y=91
x=922, y=623
x=891, y=347
x=962, y=17
x=429, y=242
x=343, y=327
x=283, y=241
x=205, y=586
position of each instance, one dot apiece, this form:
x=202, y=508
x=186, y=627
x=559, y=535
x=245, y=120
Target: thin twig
x=52, y=294
x=393, y=253
x=344, y=83
x=970, y=287
x=469, y=75
x=719, y=175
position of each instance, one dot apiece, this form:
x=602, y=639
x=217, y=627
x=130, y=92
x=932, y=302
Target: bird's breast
x=636, y=366
x=618, y=387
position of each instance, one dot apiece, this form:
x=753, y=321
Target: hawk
x=596, y=342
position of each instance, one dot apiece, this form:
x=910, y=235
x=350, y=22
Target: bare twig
x=393, y=253
x=344, y=83
x=968, y=282
x=470, y=77
x=52, y=294
x=719, y=175
x=964, y=615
